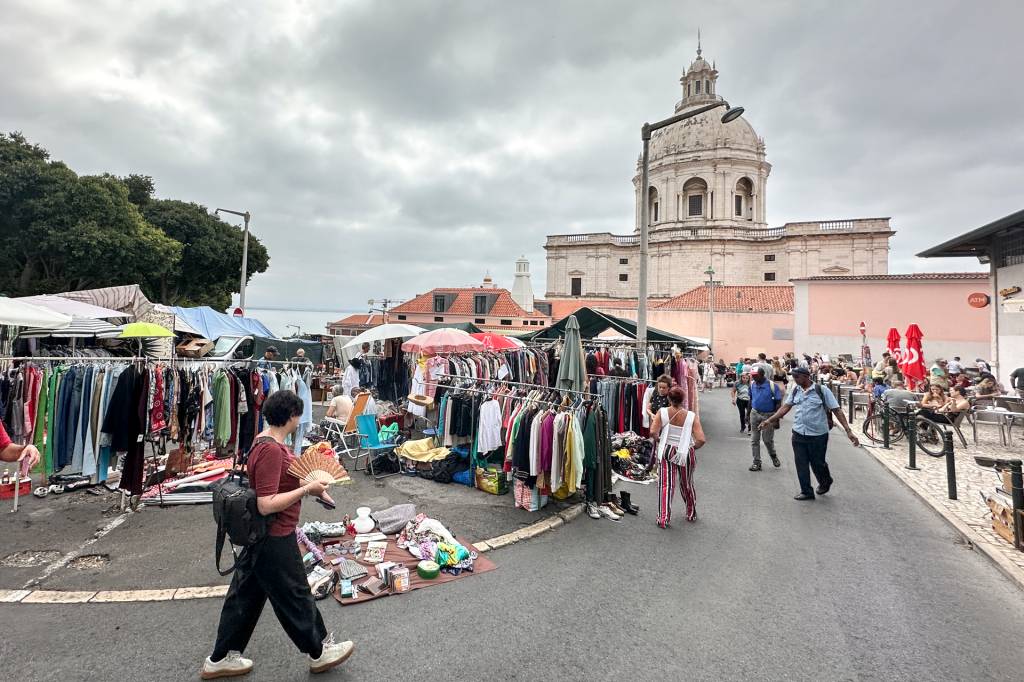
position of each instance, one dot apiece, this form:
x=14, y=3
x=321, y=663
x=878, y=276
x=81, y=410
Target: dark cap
x=801, y=370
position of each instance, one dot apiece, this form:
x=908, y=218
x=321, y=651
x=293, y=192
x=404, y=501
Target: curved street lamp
x=731, y=114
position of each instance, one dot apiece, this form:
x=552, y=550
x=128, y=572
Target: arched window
x=743, y=199
x=653, y=205
x=695, y=191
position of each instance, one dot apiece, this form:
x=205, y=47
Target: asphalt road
x=866, y=583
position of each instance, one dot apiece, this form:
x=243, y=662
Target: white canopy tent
x=18, y=313
x=74, y=308
x=79, y=328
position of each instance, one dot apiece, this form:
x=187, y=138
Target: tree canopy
x=61, y=232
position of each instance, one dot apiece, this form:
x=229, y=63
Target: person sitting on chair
x=933, y=403
x=957, y=402
x=340, y=407
x=988, y=387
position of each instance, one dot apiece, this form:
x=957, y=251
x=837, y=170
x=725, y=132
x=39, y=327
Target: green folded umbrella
x=144, y=330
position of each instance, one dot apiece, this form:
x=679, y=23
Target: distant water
x=310, y=321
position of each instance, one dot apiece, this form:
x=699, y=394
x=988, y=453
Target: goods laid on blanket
x=382, y=552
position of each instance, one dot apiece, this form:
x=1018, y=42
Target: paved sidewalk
x=968, y=513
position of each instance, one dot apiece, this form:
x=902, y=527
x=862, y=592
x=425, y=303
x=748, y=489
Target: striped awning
x=80, y=328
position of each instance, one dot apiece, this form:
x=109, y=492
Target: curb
x=189, y=593
x=976, y=541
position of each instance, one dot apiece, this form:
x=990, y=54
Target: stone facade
x=706, y=202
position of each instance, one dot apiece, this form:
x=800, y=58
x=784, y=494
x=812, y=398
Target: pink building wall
x=827, y=314
x=736, y=334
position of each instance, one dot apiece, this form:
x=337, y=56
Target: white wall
x=1011, y=325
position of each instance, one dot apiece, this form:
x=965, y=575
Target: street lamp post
x=245, y=253
x=710, y=272
x=731, y=114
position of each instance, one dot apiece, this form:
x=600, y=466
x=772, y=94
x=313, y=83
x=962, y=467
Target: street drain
x=87, y=561
x=29, y=558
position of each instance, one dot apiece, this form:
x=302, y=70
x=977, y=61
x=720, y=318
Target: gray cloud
x=387, y=148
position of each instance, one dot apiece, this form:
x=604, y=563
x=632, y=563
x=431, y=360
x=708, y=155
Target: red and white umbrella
x=495, y=341
x=893, y=344
x=912, y=361
x=442, y=341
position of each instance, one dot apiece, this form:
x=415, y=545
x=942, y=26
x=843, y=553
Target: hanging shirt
x=489, y=431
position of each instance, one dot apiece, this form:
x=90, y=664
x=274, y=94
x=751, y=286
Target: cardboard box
x=196, y=348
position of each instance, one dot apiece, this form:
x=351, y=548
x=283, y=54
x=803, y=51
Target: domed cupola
x=699, y=83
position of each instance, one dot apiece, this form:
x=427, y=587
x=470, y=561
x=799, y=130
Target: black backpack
x=237, y=517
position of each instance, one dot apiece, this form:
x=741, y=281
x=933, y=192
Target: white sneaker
x=334, y=654
x=606, y=511
x=592, y=511
x=231, y=665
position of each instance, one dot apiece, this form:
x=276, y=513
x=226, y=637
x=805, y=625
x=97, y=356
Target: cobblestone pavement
x=974, y=484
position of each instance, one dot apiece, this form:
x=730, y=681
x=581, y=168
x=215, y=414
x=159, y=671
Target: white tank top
x=679, y=436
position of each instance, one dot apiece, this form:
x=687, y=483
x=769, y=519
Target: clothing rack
x=491, y=393
x=611, y=378
x=520, y=383
x=74, y=358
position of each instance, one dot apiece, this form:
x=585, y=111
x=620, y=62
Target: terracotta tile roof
x=895, y=278
x=761, y=299
x=359, y=319
x=504, y=306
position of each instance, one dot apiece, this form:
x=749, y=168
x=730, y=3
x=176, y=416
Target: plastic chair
x=860, y=399
x=370, y=442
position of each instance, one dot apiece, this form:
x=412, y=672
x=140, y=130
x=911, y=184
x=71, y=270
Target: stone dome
x=699, y=135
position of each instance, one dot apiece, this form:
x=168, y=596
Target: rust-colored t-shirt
x=268, y=475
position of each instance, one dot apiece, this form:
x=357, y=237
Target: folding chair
x=1015, y=416
x=860, y=399
x=369, y=440
x=350, y=430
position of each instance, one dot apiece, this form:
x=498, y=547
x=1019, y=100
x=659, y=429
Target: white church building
x=707, y=197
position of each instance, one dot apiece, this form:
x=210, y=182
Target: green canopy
x=593, y=322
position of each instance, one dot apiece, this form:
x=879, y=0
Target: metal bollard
x=885, y=425
x=1017, y=494
x=912, y=442
x=947, y=450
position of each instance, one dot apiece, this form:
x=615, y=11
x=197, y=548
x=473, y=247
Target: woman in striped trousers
x=679, y=434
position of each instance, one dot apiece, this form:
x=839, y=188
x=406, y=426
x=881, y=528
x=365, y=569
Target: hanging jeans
x=275, y=573
x=669, y=477
x=300, y=432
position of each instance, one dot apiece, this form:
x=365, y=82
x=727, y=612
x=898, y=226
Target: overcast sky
x=385, y=148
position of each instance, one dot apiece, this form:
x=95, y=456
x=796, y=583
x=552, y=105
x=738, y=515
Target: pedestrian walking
x=679, y=435
x=273, y=569
x=741, y=399
x=815, y=409
x=765, y=398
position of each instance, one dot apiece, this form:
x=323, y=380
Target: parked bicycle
x=929, y=433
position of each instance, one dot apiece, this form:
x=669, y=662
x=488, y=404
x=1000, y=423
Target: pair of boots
x=622, y=502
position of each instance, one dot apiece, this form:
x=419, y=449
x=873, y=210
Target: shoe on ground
x=775, y=461
x=333, y=655
x=803, y=496
x=616, y=508
x=823, y=489
x=608, y=513
x=231, y=665
x=756, y=466
x=592, y=512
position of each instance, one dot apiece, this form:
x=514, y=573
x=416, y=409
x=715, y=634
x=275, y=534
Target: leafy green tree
x=61, y=232
x=211, y=263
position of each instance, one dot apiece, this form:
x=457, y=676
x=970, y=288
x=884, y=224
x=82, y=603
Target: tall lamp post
x=245, y=253
x=710, y=272
x=731, y=114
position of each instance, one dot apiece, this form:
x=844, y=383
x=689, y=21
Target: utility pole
x=384, y=306
x=710, y=272
x=245, y=253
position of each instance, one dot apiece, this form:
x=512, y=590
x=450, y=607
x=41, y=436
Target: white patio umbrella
x=21, y=314
x=385, y=331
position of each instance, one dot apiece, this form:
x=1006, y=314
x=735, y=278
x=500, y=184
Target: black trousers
x=809, y=455
x=744, y=408
x=273, y=572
